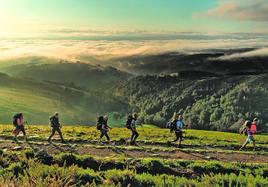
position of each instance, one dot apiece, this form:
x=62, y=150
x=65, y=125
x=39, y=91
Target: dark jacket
x=54, y=121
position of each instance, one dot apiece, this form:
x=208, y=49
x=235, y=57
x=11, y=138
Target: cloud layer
x=74, y=50
x=244, y=10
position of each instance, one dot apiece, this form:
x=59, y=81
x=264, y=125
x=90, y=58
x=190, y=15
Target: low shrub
x=29, y=154
x=201, y=168
x=88, y=162
x=44, y=157
x=83, y=177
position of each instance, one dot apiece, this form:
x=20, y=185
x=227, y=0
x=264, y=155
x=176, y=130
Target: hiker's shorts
x=250, y=139
x=55, y=128
x=104, y=131
x=178, y=134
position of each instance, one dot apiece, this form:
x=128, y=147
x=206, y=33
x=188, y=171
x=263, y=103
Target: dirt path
x=134, y=152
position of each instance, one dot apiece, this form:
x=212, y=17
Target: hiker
x=56, y=126
x=103, y=127
x=18, y=122
x=131, y=124
x=249, y=129
x=177, y=126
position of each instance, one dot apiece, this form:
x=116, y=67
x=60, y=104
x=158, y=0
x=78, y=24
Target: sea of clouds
x=105, y=49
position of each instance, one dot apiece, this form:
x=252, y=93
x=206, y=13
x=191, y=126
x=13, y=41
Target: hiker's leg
x=107, y=136
x=23, y=131
x=60, y=133
x=102, y=134
x=244, y=144
x=254, y=144
x=180, y=137
x=136, y=136
x=133, y=135
x=52, y=134
x=177, y=136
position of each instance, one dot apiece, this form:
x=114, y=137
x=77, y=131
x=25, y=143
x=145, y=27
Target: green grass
x=29, y=167
x=148, y=135
x=70, y=169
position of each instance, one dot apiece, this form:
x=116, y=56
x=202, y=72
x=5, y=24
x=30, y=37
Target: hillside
x=38, y=100
x=215, y=103
x=214, y=99
x=85, y=76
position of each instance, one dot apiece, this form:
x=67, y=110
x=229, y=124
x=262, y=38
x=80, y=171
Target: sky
x=109, y=17
x=75, y=29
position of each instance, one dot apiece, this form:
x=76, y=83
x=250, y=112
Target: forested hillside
x=215, y=103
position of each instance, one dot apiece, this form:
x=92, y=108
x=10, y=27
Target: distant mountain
x=78, y=75
x=31, y=60
x=207, y=61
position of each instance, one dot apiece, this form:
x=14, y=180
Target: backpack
x=129, y=121
x=173, y=125
x=248, y=124
x=15, y=119
x=54, y=122
x=253, y=128
x=100, y=123
x=99, y=126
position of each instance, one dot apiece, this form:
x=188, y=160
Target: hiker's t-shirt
x=179, y=124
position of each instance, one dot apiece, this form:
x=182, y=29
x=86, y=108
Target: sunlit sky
x=71, y=29
x=46, y=17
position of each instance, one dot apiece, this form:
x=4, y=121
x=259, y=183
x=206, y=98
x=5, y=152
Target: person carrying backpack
x=103, y=127
x=249, y=129
x=131, y=124
x=177, y=126
x=18, y=122
x=56, y=127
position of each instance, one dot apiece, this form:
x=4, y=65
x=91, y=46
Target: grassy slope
x=195, y=138
x=38, y=100
x=43, y=86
